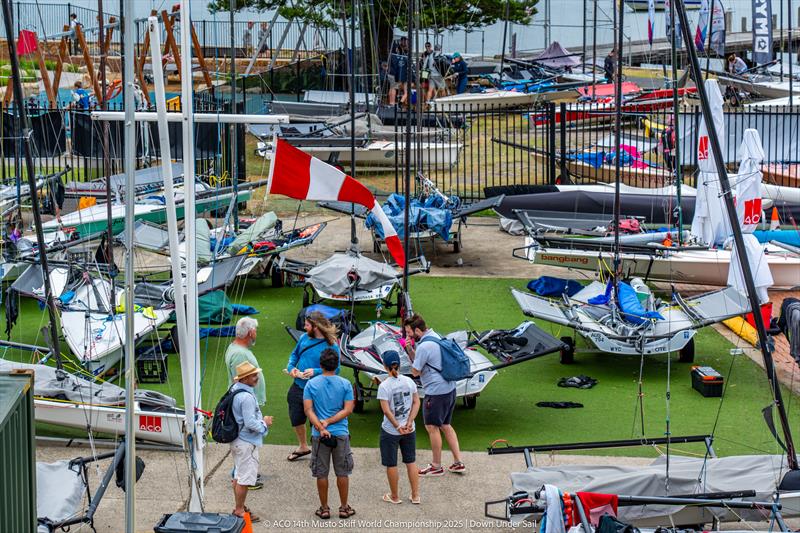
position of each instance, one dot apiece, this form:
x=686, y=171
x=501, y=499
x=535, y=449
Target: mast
x=747, y=273
x=27, y=135
x=617, y=143
x=675, y=105
x=594, y=46
x=129, y=165
x=190, y=364
x=503, y=49
x=106, y=156
x=791, y=53
x=233, y=127
x=350, y=56
x=407, y=170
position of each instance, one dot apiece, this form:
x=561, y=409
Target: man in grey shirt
x=440, y=395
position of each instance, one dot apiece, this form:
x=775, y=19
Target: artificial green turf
x=507, y=409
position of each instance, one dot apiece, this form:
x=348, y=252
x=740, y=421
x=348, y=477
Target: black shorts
x=437, y=409
x=297, y=415
x=389, y=444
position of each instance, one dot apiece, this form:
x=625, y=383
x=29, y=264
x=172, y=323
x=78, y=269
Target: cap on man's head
x=390, y=358
x=457, y=54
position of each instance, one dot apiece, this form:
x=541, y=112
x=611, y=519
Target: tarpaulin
x=427, y=215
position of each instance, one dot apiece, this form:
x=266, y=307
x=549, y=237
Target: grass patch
x=507, y=409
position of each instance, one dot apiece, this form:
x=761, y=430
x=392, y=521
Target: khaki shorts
x=322, y=454
x=245, y=462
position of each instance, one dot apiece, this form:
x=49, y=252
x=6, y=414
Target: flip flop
x=415, y=501
x=387, y=497
x=294, y=456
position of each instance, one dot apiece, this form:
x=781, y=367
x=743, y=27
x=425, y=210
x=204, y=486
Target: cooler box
x=707, y=381
x=199, y=523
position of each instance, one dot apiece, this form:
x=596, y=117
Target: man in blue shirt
x=328, y=401
x=440, y=394
x=252, y=429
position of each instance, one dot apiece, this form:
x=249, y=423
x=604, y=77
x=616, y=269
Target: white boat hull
x=490, y=100
x=154, y=426
x=702, y=267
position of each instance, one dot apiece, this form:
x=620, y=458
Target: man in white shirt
x=440, y=395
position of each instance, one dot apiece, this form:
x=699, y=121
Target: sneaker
x=258, y=486
x=457, y=468
x=431, y=471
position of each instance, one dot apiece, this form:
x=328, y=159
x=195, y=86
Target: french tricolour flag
x=296, y=174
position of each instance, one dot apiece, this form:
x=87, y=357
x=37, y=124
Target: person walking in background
x=73, y=25
x=328, y=401
x=304, y=364
x=263, y=38
x=667, y=142
x=440, y=394
x=430, y=77
x=400, y=404
x=459, y=68
x=247, y=39
x=253, y=427
x=610, y=66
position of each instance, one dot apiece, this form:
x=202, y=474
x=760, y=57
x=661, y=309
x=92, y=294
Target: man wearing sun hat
x=252, y=429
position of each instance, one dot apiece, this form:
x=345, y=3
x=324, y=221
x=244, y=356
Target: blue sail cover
x=427, y=215
x=629, y=304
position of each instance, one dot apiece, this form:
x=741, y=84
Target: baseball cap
x=390, y=358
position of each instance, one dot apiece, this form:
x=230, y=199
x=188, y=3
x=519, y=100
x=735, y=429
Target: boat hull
x=703, y=267
x=489, y=101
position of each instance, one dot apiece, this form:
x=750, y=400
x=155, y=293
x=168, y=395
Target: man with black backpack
x=426, y=349
x=252, y=427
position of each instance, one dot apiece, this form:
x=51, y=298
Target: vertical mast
x=675, y=123
x=407, y=173
x=190, y=364
x=234, y=128
x=617, y=143
x=747, y=273
x=27, y=134
x=129, y=166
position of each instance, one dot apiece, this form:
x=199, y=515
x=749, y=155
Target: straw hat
x=245, y=370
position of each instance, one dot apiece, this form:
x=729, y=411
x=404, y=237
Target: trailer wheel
x=568, y=353
x=470, y=401
x=686, y=354
x=359, y=399
x=277, y=276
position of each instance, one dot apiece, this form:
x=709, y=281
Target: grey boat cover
x=59, y=492
x=330, y=276
x=761, y=473
x=263, y=223
x=556, y=56
x=150, y=236
x=49, y=382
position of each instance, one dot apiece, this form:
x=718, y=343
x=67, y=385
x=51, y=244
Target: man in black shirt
x=610, y=66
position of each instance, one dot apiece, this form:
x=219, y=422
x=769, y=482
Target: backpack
x=223, y=426
x=455, y=363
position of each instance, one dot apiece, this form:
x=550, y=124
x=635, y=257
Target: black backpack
x=223, y=426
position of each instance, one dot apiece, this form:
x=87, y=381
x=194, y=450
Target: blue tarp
x=629, y=304
x=595, y=159
x=785, y=236
x=550, y=286
x=240, y=309
x=429, y=215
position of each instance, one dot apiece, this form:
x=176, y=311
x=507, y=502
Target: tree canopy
x=438, y=15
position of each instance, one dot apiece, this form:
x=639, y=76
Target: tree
x=389, y=14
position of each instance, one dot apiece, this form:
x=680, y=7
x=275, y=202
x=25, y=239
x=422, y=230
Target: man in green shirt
x=239, y=352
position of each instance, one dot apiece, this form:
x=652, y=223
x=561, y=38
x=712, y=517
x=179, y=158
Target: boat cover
x=761, y=473
x=654, y=209
x=59, y=492
x=423, y=215
x=57, y=384
x=556, y=56
x=152, y=177
x=331, y=275
x=251, y=233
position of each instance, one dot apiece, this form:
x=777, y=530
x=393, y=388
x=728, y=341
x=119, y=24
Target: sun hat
x=245, y=370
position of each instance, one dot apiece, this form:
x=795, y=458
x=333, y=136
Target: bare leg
x=239, y=495
x=300, y=431
x=394, y=476
x=452, y=442
x=343, y=484
x=322, y=489
x=392, y=96
x=413, y=479
x=436, y=444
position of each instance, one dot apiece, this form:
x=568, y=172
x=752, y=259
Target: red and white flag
x=296, y=174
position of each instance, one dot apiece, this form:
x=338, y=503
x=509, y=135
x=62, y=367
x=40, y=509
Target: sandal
x=324, y=512
x=387, y=497
x=346, y=512
x=294, y=456
x=415, y=501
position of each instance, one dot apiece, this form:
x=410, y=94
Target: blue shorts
x=437, y=409
x=389, y=444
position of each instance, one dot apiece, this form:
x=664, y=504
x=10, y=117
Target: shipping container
x=17, y=453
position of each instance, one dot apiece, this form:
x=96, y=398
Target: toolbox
x=707, y=381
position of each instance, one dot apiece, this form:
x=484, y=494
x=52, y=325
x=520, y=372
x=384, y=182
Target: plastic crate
x=707, y=381
x=199, y=523
x=151, y=366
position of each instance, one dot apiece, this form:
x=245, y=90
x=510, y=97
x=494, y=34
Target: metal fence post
x=563, y=142
x=551, y=143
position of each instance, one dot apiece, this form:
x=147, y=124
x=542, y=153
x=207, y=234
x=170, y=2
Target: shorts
x=389, y=444
x=297, y=414
x=245, y=462
x=437, y=409
x=321, y=456
x=435, y=83
x=398, y=84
